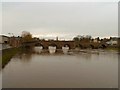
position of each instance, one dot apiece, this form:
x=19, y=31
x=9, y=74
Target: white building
x=3, y=39
x=113, y=41
x=4, y=42
x=96, y=40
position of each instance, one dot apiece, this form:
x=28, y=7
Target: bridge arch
x=39, y=44
x=53, y=44
x=67, y=45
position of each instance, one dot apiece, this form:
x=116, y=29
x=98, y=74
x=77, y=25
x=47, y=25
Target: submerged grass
x=7, y=54
x=113, y=48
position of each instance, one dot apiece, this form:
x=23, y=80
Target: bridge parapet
x=60, y=44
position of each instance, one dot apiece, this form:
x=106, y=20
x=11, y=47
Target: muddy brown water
x=77, y=70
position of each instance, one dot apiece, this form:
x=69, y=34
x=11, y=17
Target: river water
x=75, y=70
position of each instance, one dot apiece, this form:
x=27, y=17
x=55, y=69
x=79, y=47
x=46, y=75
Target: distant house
x=113, y=41
x=96, y=40
x=4, y=42
x=15, y=41
x=4, y=39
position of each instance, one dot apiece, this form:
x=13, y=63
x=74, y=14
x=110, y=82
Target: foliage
x=76, y=39
x=84, y=37
x=26, y=36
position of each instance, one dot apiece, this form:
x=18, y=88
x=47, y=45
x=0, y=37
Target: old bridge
x=60, y=44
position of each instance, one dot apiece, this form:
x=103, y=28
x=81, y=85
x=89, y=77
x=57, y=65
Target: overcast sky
x=62, y=19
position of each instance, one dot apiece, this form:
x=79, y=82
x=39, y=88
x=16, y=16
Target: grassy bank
x=7, y=54
x=112, y=49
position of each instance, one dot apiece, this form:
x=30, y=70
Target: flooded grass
x=7, y=54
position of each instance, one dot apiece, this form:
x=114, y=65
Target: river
x=77, y=70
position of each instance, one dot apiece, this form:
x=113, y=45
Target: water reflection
x=84, y=56
x=24, y=57
x=38, y=49
x=52, y=49
x=84, y=69
x=65, y=49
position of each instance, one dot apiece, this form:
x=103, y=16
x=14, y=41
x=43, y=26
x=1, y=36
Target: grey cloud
x=96, y=19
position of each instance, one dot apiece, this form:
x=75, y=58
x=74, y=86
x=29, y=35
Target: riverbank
x=7, y=54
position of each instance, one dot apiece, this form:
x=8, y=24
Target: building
x=15, y=41
x=96, y=40
x=4, y=42
x=113, y=41
x=4, y=39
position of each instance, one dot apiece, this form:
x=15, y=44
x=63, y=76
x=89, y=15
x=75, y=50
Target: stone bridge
x=46, y=44
x=60, y=44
